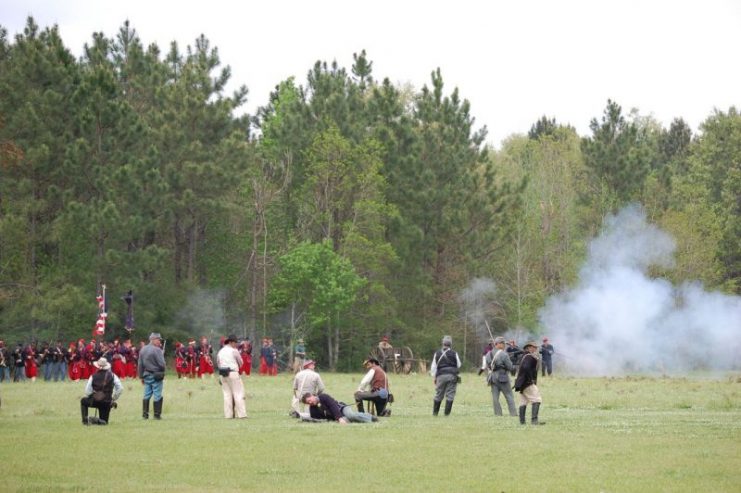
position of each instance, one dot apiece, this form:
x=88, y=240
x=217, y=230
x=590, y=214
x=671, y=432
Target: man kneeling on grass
x=101, y=392
x=323, y=406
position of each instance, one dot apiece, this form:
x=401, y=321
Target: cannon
x=397, y=359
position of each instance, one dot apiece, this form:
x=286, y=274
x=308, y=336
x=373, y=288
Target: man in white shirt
x=374, y=387
x=228, y=360
x=307, y=381
x=101, y=392
x=445, y=367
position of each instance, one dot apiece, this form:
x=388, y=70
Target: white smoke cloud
x=479, y=304
x=619, y=320
x=204, y=312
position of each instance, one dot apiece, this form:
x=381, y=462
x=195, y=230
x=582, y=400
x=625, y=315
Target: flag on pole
x=129, y=299
x=102, y=315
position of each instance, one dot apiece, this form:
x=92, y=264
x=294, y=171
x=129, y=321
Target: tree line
x=346, y=208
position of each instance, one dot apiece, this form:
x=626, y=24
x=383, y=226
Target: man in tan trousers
x=228, y=360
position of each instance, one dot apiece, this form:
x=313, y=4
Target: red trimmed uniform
x=206, y=362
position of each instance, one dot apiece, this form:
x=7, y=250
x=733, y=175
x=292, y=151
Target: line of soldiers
x=193, y=360
x=196, y=361
x=58, y=362
x=515, y=354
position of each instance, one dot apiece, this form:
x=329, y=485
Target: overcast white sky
x=513, y=60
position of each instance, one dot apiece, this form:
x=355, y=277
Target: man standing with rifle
x=527, y=378
x=500, y=365
x=152, y=374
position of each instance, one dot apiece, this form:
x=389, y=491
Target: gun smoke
x=204, y=313
x=619, y=320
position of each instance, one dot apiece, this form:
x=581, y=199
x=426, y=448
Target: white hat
x=102, y=364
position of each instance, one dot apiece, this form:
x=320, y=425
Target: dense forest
x=346, y=208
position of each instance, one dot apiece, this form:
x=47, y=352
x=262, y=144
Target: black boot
x=534, y=420
x=145, y=408
x=83, y=411
x=522, y=414
x=448, y=407
x=361, y=409
x=435, y=407
x=158, y=409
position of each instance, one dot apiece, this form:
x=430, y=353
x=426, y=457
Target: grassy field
x=602, y=435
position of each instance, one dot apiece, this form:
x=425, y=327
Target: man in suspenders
x=373, y=387
x=444, y=369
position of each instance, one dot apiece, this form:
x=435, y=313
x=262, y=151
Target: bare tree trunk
x=330, y=346
x=177, y=256
x=336, y=353
x=191, y=237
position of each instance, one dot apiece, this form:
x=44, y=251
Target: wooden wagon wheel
x=386, y=358
x=407, y=358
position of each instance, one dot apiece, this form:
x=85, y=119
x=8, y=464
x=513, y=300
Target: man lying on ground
x=324, y=406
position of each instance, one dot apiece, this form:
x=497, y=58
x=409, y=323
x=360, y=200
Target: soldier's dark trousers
x=104, y=409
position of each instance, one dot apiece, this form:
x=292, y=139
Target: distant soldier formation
x=75, y=361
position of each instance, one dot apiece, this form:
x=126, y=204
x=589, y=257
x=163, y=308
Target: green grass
x=602, y=435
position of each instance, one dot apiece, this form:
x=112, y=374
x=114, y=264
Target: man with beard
x=525, y=383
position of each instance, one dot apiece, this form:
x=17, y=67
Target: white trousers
x=233, y=390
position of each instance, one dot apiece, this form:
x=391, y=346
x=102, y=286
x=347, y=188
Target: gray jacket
x=151, y=360
x=499, y=365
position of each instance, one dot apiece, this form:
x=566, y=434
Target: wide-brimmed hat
x=102, y=364
x=230, y=338
x=530, y=343
x=371, y=360
x=309, y=362
x=155, y=335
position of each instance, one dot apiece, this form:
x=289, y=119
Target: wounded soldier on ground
x=325, y=407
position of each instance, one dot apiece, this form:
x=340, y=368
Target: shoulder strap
x=494, y=359
x=443, y=354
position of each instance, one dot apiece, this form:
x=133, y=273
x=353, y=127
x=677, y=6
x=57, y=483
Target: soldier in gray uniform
x=444, y=369
x=500, y=365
